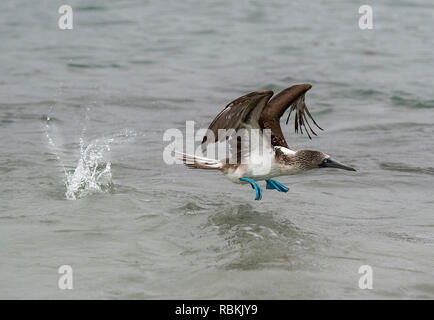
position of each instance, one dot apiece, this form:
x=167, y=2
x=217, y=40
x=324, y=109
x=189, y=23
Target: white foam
x=92, y=174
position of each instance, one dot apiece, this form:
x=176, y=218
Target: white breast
x=263, y=168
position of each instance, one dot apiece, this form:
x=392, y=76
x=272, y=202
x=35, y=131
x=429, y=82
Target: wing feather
x=294, y=99
x=244, y=111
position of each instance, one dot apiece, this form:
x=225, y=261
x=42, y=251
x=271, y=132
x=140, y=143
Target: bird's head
x=309, y=159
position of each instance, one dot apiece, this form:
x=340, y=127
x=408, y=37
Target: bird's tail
x=196, y=162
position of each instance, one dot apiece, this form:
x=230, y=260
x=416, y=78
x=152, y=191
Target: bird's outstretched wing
x=242, y=112
x=292, y=98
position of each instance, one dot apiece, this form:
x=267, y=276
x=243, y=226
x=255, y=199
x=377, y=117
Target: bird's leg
x=255, y=186
x=273, y=184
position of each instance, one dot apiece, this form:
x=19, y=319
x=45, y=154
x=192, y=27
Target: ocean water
x=84, y=184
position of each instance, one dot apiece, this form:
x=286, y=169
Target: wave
x=412, y=102
x=400, y=167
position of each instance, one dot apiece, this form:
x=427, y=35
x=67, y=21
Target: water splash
x=92, y=174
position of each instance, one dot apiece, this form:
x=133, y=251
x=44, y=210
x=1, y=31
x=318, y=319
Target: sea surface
x=82, y=177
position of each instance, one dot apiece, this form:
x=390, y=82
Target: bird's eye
x=325, y=161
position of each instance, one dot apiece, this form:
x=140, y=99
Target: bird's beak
x=331, y=163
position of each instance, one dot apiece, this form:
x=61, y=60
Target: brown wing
x=293, y=98
x=244, y=110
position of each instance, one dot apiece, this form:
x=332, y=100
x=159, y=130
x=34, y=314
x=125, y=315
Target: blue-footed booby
x=255, y=112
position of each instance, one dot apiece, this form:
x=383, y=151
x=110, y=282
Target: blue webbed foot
x=255, y=186
x=273, y=184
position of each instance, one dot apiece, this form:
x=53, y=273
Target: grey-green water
x=82, y=117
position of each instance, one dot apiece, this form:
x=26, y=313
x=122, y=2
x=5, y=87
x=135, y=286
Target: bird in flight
x=256, y=116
